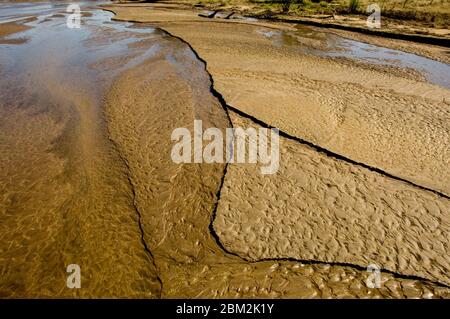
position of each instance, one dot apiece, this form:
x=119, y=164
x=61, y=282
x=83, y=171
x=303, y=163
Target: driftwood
x=207, y=14
x=223, y=15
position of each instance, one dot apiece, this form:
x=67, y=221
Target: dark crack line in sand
x=320, y=149
x=284, y=134
x=227, y=107
x=337, y=156
x=354, y=266
x=138, y=213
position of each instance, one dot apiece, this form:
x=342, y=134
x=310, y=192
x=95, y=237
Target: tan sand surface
x=9, y=28
x=436, y=52
x=387, y=121
x=177, y=202
x=89, y=180
x=341, y=212
x=65, y=200
x=319, y=208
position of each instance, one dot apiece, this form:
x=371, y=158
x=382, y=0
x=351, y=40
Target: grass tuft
x=353, y=6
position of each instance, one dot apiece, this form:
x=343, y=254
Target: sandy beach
x=87, y=176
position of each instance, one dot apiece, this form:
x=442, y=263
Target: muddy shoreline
x=133, y=18
x=422, y=44
x=197, y=231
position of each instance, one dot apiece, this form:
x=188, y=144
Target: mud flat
x=10, y=28
x=86, y=174
x=383, y=119
x=321, y=208
x=177, y=203
x=247, y=70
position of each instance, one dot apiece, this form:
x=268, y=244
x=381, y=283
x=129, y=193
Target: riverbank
x=401, y=34
x=413, y=17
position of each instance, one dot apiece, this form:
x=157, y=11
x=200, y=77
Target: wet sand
x=177, y=203
x=65, y=194
x=88, y=177
x=330, y=210
x=10, y=28
x=387, y=121
x=238, y=226
x=435, y=52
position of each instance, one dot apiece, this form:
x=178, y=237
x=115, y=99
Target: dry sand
x=388, y=25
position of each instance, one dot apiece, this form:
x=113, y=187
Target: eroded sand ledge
x=366, y=185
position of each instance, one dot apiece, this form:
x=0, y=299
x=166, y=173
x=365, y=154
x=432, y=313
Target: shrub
x=285, y=5
x=353, y=6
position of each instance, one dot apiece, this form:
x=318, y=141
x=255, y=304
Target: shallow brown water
x=66, y=198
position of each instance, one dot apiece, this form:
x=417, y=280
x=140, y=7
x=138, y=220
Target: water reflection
x=331, y=45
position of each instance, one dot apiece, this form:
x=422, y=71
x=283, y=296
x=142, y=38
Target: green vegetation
x=433, y=12
x=412, y=6
x=296, y=6
x=353, y=6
